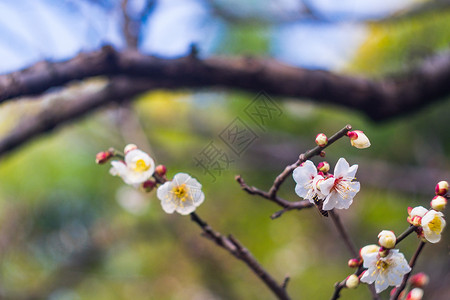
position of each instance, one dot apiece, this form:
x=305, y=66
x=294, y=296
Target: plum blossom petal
x=183, y=194
x=307, y=179
x=343, y=188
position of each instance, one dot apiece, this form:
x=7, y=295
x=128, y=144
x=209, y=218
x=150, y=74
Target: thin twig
x=233, y=246
x=287, y=205
x=344, y=235
x=407, y=232
x=412, y=263
x=272, y=194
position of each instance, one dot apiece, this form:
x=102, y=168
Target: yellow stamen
x=435, y=225
x=382, y=265
x=141, y=166
x=181, y=192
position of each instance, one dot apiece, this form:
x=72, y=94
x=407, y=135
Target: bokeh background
x=69, y=230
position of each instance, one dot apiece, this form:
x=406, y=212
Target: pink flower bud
x=383, y=252
x=149, y=185
x=352, y=281
x=387, y=239
x=322, y=154
x=415, y=294
x=419, y=280
x=103, y=157
x=323, y=167
x=161, y=170
x=129, y=148
x=438, y=203
x=321, y=140
x=354, y=262
x=441, y=188
x=401, y=296
x=358, y=139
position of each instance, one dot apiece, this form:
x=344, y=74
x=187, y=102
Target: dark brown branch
x=407, y=232
x=378, y=99
x=118, y=90
x=288, y=205
x=343, y=233
x=234, y=247
x=412, y=263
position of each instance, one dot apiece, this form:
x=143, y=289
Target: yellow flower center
x=141, y=166
x=382, y=265
x=181, y=192
x=435, y=225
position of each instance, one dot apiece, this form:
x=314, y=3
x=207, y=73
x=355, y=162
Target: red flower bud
x=354, y=263
x=149, y=185
x=161, y=170
x=321, y=140
x=103, y=157
x=441, y=188
x=419, y=280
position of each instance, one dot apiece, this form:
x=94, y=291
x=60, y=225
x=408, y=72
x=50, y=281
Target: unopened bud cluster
x=440, y=200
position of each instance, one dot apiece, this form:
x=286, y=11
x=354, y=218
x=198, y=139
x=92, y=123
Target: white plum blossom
x=385, y=271
x=340, y=188
x=306, y=178
x=183, y=194
x=136, y=169
x=432, y=224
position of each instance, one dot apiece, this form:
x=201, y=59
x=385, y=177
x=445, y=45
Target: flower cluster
x=183, y=194
x=429, y=223
x=331, y=190
x=387, y=266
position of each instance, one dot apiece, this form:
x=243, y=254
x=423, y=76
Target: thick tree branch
x=117, y=90
x=378, y=99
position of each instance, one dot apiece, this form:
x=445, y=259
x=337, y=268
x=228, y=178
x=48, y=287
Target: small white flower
x=136, y=169
x=307, y=181
x=358, y=139
x=183, y=194
x=433, y=223
x=340, y=189
x=385, y=271
x=387, y=239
